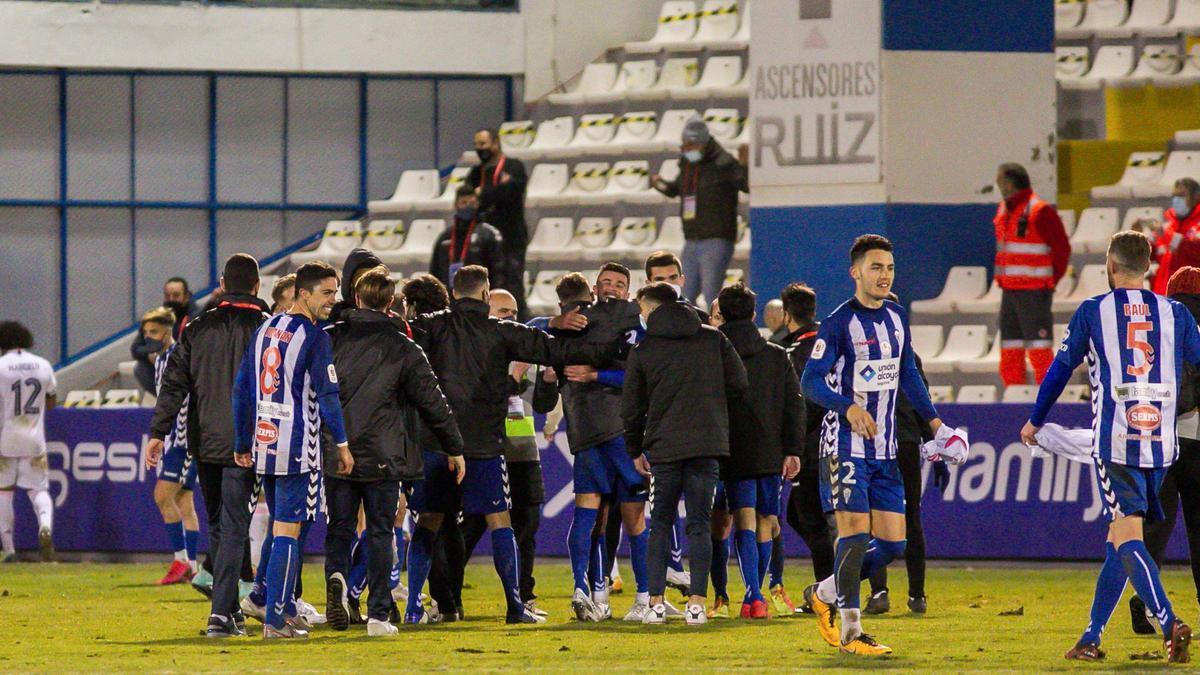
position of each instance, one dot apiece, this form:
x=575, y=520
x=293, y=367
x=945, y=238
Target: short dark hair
x=737, y=302
x=492, y=132
x=799, y=301
x=616, y=267
x=572, y=287
x=241, y=273
x=311, y=274
x=1188, y=184
x=658, y=293
x=1015, y=174
x=14, y=335
x=663, y=259
x=425, y=294
x=1130, y=251
x=375, y=289
x=470, y=280
x=464, y=190
x=180, y=280
x=282, y=285
x=868, y=242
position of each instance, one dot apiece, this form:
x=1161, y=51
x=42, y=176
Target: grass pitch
x=110, y=617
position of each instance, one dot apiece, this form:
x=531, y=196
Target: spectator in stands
x=776, y=320
x=1177, y=241
x=708, y=185
x=283, y=293
x=177, y=297
x=1032, y=253
x=467, y=241
x=499, y=185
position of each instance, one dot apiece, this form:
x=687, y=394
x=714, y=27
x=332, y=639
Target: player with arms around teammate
x=177, y=473
x=1136, y=344
x=286, y=388
x=862, y=355
x=27, y=390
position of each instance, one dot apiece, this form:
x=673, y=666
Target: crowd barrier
x=1001, y=504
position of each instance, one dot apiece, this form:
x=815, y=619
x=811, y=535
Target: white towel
x=1076, y=445
x=949, y=445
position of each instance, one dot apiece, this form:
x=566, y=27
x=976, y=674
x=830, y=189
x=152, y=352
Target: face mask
x=692, y=156
x=175, y=306
x=642, y=320
x=466, y=214
x=1180, y=205
x=154, y=345
x=485, y=155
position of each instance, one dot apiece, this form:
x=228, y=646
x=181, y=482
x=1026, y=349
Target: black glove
x=941, y=476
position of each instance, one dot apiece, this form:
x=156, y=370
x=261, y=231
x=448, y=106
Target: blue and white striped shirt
x=177, y=438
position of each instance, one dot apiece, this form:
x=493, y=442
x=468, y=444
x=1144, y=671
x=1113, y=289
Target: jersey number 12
x=31, y=406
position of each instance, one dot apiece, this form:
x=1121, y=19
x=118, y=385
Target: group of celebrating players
x=367, y=408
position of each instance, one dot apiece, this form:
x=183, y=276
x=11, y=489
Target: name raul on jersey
x=1137, y=309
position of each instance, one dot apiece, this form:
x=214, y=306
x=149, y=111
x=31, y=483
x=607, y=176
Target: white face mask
x=692, y=156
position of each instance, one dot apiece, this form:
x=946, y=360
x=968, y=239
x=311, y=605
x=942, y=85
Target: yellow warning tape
x=343, y=233
x=518, y=131
x=1071, y=58
x=627, y=118
x=724, y=119
x=590, y=173
x=687, y=16
x=629, y=171
x=1153, y=161
x=601, y=122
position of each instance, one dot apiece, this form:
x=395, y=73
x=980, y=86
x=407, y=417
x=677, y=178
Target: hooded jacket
x=470, y=352
x=592, y=409
x=483, y=249
x=910, y=428
x=679, y=382
x=382, y=377
x=799, y=348
x=359, y=258
x=768, y=422
x=203, y=367
x=715, y=181
x=1189, y=388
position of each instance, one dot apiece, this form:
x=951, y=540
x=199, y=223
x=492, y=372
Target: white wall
x=52, y=34
x=563, y=36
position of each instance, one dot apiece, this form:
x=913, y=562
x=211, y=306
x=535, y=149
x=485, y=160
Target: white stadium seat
x=594, y=130
x=384, y=235
x=1065, y=285
x=1143, y=168
x=1100, y=15
x=516, y=136
x=676, y=26
x=587, y=181
x=1067, y=14
x=634, y=238
x=122, y=398
x=414, y=185
x=1180, y=164
x=1020, y=393
x=1146, y=18
x=962, y=283
x=1067, y=216
x=1112, y=63
x=418, y=245
x=670, y=235
x=668, y=170
x=722, y=78
x=741, y=249
x=546, y=182
x=988, y=303
x=926, y=340
x=83, y=398
x=668, y=136
x=1093, y=281
x=988, y=363
x=676, y=74
x=976, y=393
x=543, y=296
x=941, y=393
x=444, y=203
x=743, y=138
x=1186, y=18
x=733, y=276
x=1070, y=65
x=634, y=130
x=266, y=282
x=740, y=39
x=553, y=240
x=963, y=343
x=1095, y=227
x=718, y=22
x=633, y=76
x=552, y=136
x=1158, y=63
x=1137, y=213
x=593, y=236
x=1187, y=75
x=625, y=180
x=596, y=78
x=341, y=237
x=723, y=123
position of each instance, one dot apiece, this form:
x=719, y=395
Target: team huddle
x=390, y=407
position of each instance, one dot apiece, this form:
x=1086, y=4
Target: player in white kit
x=27, y=391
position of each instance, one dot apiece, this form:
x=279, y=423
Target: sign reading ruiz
x=814, y=100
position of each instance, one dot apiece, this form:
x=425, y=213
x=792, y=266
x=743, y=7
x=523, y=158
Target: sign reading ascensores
x=814, y=100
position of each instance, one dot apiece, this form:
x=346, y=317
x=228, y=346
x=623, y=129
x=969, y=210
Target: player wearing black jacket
x=383, y=376
x=202, y=370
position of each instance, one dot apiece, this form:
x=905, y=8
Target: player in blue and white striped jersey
x=861, y=360
x=286, y=388
x=177, y=472
x=1135, y=343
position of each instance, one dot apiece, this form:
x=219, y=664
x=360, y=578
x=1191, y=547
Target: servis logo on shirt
x=876, y=375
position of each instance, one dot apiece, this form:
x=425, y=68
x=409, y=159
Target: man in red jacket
x=1177, y=241
x=1032, y=252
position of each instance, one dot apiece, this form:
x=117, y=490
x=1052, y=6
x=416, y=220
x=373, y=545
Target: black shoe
x=239, y=620
x=222, y=627
x=878, y=604
x=45, y=545
x=917, y=605
x=337, y=608
x=356, y=617
x=1138, y=617
x=394, y=615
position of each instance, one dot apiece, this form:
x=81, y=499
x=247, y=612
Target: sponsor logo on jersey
x=1143, y=391
x=332, y=374
x=1143, y=417
x=818, y=349
x=266, y=433
x=277, y=411
x=877, y=375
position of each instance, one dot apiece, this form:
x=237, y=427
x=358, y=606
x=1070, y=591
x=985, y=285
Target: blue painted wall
x=969, y=25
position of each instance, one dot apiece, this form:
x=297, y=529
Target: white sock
x=43, y=506
x=851, y=624
x=194, y=565
x=643, y=598
x=600, y=597
x=6, y=520
x=181, y=556
x=827, y=590
x=258, y=530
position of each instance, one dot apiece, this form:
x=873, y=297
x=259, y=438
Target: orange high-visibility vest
x=1023, y=257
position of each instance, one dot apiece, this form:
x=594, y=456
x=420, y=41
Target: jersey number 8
x=268, y=379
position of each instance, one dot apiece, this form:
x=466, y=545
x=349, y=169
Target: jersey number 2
x=31, y=407
x=268, y=379
x=1135, y=340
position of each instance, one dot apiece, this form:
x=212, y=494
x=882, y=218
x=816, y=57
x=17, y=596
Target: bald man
x=524, y=466
x=776, y=321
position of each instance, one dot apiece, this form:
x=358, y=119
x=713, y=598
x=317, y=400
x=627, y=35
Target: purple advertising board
x=1000, y=504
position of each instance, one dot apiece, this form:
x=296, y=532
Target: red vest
x=1182, y=239
x=1023, y=260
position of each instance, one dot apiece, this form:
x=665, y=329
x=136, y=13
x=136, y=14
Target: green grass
x=108, y=617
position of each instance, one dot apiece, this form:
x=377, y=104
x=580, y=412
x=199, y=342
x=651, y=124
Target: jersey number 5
x=1135, y=340
x=268, y=379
